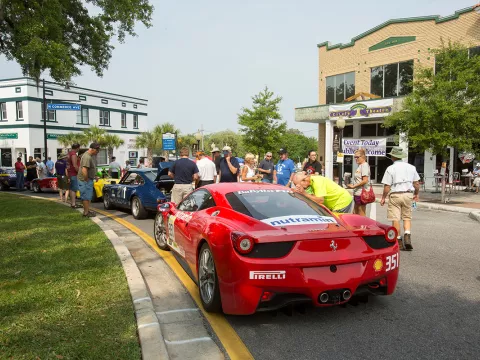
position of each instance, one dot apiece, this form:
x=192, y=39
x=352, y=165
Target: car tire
x=3, y=187
x=160, y=233
x=208, y=286
x=107, y=203
x=138, y=211
x=36, y=187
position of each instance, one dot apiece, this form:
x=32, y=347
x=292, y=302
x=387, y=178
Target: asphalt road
x=434, y=313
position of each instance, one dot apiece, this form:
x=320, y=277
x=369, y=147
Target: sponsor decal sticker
x=253, y=191
x=299, y=220
x=185, y=216
x=378, y=265
x=268, y=275
x=392, y=262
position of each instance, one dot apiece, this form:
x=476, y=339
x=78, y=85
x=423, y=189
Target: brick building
x=380, y=61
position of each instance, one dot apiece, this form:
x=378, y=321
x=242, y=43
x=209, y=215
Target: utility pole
x=45, y=123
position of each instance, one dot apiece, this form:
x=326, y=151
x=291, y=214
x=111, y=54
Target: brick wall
x=464, y=29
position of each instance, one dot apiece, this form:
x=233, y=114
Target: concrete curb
x=148, y=327
x=152, y=342
x=475, y=215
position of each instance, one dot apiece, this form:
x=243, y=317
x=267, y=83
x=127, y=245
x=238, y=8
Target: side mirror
x=165, y=207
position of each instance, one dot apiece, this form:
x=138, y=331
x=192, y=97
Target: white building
x=22, y=125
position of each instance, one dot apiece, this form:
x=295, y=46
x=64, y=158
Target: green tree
x=226, y=137
x=261, y=125
x=111, y=142
x=444, y=106
x=63, y=35
x=152, y=140
x=297, y=144
x=69, y=139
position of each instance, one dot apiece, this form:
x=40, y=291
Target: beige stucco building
x=381, y=61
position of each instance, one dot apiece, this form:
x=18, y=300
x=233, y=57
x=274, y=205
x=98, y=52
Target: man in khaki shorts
x=401, y=182
x=185, y=172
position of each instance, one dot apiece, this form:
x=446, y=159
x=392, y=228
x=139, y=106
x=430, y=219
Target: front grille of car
x=377, y=242
x=271, y=250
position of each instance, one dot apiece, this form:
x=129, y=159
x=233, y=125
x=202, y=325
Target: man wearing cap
x=229, y=166
x=266, y=167
x=207, y=172
x=184, y=171
x=86, y=174
x=401, y=182
x=284, y=170
x=216, y=157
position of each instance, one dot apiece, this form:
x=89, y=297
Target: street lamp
x=340, y=125
x=198, y=137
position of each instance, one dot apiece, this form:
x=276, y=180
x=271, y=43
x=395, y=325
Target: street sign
x=73, y=107
x=168, y=141
x=9, y=136
x=53, y=136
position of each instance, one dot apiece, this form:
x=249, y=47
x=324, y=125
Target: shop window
x=340, y=87
x=3, y=111
x=348, y=131
x=82, y=116
x=135, y=121
x=392, y=79
x=37, y=153
x=102, y=157
x=104, y=118
x=19, y=110
x=124, y=120
x=50, y=114
x=367, y=130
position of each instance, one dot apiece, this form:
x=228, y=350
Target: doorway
x=6, y=157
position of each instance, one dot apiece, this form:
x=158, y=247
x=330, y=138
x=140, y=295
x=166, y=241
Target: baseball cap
x=95, y=146
x=282, y=151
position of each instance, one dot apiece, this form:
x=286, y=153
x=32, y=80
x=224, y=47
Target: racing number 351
x=392, y=262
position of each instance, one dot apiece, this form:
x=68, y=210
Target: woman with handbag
x=362, y=191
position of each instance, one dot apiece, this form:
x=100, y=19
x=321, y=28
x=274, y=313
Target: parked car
x=140, y=190
x=8, y=178
x=259, y=247
x=46, y=184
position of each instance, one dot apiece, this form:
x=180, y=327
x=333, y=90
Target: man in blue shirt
x=284, y=170
x=50, y=167
x=229, y=166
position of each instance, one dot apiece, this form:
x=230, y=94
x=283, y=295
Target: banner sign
x=168, y=141
x=361, y=110
x=373, y=147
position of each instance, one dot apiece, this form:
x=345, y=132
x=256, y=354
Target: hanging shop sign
x=373, y=147
x=361, y=110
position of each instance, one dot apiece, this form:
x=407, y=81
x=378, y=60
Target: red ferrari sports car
x=256, y=247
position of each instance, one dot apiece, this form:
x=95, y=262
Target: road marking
x=230, y=340
x=177, y=342
x=174, y=311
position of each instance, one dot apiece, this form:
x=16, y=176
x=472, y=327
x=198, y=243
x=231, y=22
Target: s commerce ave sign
x=373, y=147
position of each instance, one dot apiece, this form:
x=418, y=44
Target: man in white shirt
x=207, y=171
x=114, y=169
x=41, y=169
x=401, y=182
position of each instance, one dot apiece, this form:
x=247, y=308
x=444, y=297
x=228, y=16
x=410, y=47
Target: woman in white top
x=248, y=171
x=360, y=181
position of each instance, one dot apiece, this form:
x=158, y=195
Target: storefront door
x=6, y=157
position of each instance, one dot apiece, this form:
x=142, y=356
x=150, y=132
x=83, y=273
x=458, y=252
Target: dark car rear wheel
x=107, y=203
x=138, y=211
x=208, y=281
x=36, y=187
x=3, y=187
x=160, y=232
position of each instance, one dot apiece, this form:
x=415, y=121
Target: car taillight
x=391, y=234
x=242, y=242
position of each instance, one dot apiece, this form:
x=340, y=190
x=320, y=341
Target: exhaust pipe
x=323, y=297
x=347, y=294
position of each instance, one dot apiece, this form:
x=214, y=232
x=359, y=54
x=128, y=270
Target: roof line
x=437, y=18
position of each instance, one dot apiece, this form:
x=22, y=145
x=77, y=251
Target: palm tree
x=152, y=140
x=94, y=134
x=72, y=138
x=111, y=142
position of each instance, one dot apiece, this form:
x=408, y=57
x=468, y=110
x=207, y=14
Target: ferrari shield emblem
x=333, y=245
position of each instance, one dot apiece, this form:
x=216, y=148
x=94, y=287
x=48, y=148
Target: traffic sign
x=168, y=141
x=9, y=136
x=74, y=107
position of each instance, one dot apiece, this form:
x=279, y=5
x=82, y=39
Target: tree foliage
x=297, y=144
x=152, y=140
x=226, y=137
x=261, y=125
x=444, y=107
x=62, y=35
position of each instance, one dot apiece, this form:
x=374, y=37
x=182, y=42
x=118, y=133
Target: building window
x=124, y=120
x=82, y=97
x=82, y=116
x=340, y=87
x=135, y=121
x=104, y=118
x=49, y=92
x=19, y=110
x=392, y=79
x=37, y=153
x=18, y=90
x=3, y=111
x=135, y=106
x=474, y=51
x=102, y=157
x=104, y=101
x=50, y=114
x=124, y=104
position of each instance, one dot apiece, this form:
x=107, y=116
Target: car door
x=121, y=193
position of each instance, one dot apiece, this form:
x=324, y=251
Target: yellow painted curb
x=230, y=340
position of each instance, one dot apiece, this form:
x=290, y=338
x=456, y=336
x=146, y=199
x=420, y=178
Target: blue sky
x=202, y=60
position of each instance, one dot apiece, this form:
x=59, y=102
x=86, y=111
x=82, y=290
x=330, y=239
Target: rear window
x=278, y=204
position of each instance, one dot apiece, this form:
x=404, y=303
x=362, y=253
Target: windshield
x=151, y=175
x=278, y=207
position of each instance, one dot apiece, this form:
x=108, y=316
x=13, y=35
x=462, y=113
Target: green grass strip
x=63, y=291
